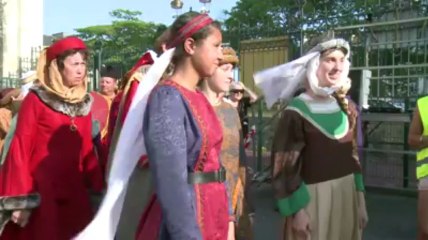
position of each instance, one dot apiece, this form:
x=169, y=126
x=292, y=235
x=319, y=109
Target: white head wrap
x=27, y=82
x=129, y=149
x=281, y=82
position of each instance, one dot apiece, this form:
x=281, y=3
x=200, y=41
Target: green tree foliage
x=252, y=19
x=124, y=40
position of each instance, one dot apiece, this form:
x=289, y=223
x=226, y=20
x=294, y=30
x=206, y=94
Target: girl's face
x=207, y=53
x=331, y=66
x=221, y=79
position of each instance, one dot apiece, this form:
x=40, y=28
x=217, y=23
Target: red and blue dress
x=183, y=135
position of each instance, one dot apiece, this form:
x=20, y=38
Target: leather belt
x=207, y=177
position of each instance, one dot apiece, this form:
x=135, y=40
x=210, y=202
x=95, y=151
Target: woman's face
x=331, y=66
x=220, y=81
x=208, y=53
x=74, y=71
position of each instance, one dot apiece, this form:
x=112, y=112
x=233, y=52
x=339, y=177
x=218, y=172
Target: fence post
x=94, y=74
x=406, y=157
x=259, y=136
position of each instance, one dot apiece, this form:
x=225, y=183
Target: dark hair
x=60, y=59
x=111, y=72
x=198, y=36
x=162, y=39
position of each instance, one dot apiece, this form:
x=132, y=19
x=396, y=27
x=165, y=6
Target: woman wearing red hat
x=50, y=165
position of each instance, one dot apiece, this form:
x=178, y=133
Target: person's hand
x=21, y=217
x=301, y=224
x=363, y=217
x=20, y=97
x=231, y=231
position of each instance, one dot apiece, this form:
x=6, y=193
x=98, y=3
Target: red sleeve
x=128, y=98
x=15, y=174
x=91, y=165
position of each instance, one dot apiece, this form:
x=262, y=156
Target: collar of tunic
x=71, y=109
x=326, y=116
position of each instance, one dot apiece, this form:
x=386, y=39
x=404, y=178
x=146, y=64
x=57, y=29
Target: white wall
x=23, y=29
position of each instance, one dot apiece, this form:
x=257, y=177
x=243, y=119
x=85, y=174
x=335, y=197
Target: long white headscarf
x=281, y=82
x=130, y=147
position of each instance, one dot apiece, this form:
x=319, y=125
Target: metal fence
x=395, y=49
x=25, y=64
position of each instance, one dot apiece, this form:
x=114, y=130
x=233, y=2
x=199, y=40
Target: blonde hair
x=229, y=56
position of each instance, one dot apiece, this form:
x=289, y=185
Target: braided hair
x=351, y=111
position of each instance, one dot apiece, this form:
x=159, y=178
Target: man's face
x=107, y=85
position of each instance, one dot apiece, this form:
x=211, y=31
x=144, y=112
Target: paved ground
x=392, y=217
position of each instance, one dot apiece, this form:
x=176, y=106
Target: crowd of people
x=158, y=153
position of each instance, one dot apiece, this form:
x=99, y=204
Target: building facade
x=22, y=35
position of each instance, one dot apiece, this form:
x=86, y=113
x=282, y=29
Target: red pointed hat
x=63, y=45
x=146, y=59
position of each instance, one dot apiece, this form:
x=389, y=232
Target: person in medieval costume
x=316, y=171
x=122, y=101
x=184, y=140
x=140, y=187
x=50, y=168
x=182, y=136
x=232, y=153
x=100, y=110
x=104, y=97
x=128, y=87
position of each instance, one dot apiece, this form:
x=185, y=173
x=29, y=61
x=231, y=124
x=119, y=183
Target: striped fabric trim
x=192, y=27
x=329, y=105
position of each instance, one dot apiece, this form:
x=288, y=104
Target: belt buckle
x=221, y=175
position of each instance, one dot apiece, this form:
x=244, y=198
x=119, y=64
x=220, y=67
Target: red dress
x=48, y=157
